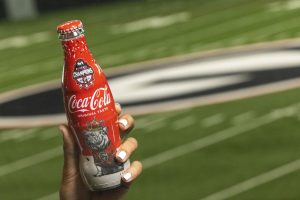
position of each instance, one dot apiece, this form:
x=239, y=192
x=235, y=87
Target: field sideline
x=245, y=149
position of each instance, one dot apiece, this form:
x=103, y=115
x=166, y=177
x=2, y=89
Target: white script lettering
x=99, y=99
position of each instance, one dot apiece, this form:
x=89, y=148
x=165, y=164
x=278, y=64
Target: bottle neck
x=75, y=48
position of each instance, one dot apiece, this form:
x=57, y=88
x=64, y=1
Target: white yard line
x=44, y=35
x=292, y=4
x=26, y=137
x=214, y=28
x=284, y=6
x=255, y=181
x=155, y=127
x=270, y=29
x=183, y=122
x=168, y=155
x=27, y=69
x=52, y=196
x=201, y=143
x=30, y=161
x=146, y=122
x=47, y=135
x=17, y=135
x=151, y=23
x=244, y=117
x=219, y=136
x=22, y=40
x=213, y=120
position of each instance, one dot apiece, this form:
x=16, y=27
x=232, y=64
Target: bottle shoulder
x=83, y=76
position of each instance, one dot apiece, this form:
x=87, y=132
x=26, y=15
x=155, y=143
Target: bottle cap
x=70, y=30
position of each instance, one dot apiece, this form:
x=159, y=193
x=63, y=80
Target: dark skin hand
x=72, y=186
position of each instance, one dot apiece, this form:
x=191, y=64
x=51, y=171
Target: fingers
x=126, y=123
x=126, y=149
x=132, y=173
x=70, y=149
x=118, y=108
x=124, y=152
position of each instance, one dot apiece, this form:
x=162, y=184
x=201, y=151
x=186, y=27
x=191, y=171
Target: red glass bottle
x=90, y=110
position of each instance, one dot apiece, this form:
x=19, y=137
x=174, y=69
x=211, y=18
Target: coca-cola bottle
x=90, y=110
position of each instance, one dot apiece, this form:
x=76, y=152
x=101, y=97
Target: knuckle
x=129, y=118
x=126, y=115
x=132, y=121
x=118, y=106
x=132, y=142
x=137, y=167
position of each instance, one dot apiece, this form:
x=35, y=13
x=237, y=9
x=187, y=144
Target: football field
x=244, y=149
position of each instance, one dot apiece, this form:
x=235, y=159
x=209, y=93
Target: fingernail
x=124, y=122
x=121, y=154
x=127, y=177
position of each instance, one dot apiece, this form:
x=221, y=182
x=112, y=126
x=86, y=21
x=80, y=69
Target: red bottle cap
x=69, y=26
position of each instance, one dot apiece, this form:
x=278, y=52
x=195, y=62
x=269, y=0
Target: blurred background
x=243, y=149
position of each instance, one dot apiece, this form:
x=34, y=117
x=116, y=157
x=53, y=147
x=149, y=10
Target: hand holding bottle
x=90, y=110
x=72, y=186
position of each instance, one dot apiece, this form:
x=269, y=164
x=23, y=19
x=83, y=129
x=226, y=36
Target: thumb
x=71, y=154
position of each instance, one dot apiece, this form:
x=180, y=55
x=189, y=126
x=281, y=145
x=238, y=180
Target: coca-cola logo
x=83, y=74
x=99, y=99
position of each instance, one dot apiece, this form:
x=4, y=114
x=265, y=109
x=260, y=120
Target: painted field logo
x=83, y=74
x=169, y=84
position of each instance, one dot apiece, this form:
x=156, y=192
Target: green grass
x=219, y=166
x=213, y=24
